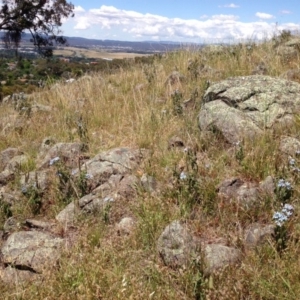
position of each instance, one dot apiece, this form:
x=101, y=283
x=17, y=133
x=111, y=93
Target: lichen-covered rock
x=39, y=180
x=125, y=226
x=105, y=165
x=108, y=178
x=31, y=250
x=235, y=189
x=176, y=245
x=289, y=146
x=246, y=106
x=65, y=153
x=13, y=276
x=68, y=215
x=6, y=155
x=217, y=256
x=256, y=234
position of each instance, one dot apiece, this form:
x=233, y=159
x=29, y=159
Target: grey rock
x=149, y=183
x=13, y=276
x=12, y=166
x=256, y=234
x=68, y=153
x=125, y=226
x=289, y=146
x=16, y=162
x=94, y=203
x=176, y=246
x=7, y=154
x=68, y=215
x=11, y=225
x=126, y=188
x=217, y=256
x=242, y=107
x=31, y=250
x=235, y=189
x=9, y=198
x=39, y=224
x=108, y=178
x=267, y=186
x=39, y=180
x=118, y=161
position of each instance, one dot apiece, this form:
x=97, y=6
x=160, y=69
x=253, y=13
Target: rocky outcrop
x=109, y=178
x=245, y=193
x=244, y=107
x=177, y=248
x=31, y=250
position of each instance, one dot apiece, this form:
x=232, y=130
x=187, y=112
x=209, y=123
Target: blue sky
x=179, y=20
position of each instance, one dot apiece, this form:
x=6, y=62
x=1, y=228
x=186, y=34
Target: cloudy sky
x=182, y=20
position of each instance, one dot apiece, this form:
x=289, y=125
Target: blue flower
x=280, y=217
x=292, y=161
x=182, y=176
x=24, y=189
x=88, y=176
x=284, y=184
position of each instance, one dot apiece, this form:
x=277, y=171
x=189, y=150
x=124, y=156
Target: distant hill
x=120, y=46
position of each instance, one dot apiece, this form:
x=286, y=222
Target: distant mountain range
x=120, y=46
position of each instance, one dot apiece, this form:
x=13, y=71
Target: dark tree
x=42, y=18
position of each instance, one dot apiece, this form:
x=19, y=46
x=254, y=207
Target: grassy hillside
x=140, y=108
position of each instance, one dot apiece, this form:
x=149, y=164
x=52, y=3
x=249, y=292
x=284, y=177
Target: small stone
x=125, y=226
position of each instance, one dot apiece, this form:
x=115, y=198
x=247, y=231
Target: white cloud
x=264, y=16
x=79, y=9
x=135, y=25
x=231, y=5
x=285, y=12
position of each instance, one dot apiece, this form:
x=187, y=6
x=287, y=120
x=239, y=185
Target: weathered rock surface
x=7, y=154
x=125, y=226
x=235, y=189
x=256, y=234
x=67, y=153
x=14, y=276
x=39, y=180
x=242, y=107
x=108, y=178
x=217, y=256
x=289, y=146
x=118, y=161
x=176, y=245
x=31, y=250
